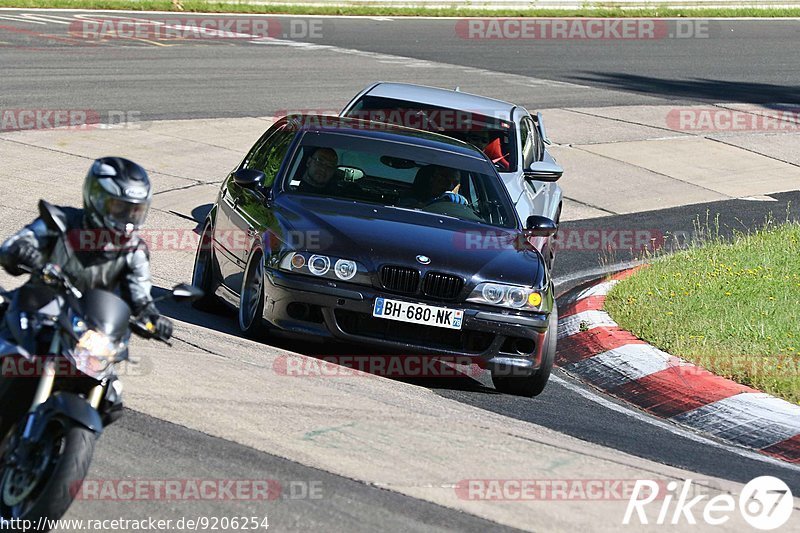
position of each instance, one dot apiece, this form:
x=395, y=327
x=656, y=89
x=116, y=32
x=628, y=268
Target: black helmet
x=116, y=195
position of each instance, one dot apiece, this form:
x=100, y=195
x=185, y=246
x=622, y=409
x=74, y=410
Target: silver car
x=508, y=134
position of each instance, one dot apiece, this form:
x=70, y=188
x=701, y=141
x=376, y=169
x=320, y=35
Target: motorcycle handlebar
x=147, y=330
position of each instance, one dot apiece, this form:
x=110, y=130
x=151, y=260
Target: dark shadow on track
x=200, y=212
x=697, y=88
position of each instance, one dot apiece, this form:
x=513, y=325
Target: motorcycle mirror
x=53, y=217
x=186, y=292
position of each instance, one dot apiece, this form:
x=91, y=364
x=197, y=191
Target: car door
x=230, y=239
x=252, y=216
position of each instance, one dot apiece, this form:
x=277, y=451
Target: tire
x=251, y=298
x=533, y=385
x=203, y=275
x=72, y=451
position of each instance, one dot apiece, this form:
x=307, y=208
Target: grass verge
x=731, y=307
x=243, y=7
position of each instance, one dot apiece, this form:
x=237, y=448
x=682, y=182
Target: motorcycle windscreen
x=106, y=312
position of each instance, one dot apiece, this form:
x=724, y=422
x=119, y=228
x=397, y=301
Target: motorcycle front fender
x=65, y=405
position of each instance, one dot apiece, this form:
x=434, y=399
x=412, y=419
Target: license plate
x=429, y=315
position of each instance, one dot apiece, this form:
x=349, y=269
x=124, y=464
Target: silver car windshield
x=494, y=136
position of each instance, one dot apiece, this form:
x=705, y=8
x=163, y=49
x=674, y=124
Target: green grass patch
x=732, y=307
x=244, y=7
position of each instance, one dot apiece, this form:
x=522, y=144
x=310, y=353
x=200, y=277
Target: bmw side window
x=269, y=156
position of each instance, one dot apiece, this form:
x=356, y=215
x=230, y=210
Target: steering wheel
x=452, y=197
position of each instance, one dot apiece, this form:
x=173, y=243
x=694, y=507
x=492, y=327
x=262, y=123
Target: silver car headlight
x=95, y=353
x=510, y=296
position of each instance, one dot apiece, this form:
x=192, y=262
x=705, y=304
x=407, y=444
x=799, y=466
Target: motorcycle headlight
x=95, y=352
x=512, y=296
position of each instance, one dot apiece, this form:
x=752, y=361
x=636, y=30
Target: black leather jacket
x=95, y=261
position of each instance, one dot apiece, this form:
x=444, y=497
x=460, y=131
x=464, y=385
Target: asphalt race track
x=744, y=61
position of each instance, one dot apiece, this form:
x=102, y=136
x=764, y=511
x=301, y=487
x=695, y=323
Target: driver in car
x=320, y=170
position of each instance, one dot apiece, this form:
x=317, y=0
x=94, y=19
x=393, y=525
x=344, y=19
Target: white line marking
x=601, y=289
x=630, y=362
x=753, y=419
x=672, y=428
x=20, y=19
x=47, y=18
x=571, y=324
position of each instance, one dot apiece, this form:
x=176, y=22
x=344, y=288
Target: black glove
x=154, y=323
x=23, y=254
x=163, y=327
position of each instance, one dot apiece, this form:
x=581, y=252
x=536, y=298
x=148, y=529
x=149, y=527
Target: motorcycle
x=71, y=342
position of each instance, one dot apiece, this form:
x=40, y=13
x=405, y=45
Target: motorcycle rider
x=105, y=251
x=108, y=253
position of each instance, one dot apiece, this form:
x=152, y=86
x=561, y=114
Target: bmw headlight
x=319, y=264
x=345, y=269
x=324, y=266
x=511, y=296
x=95, y=352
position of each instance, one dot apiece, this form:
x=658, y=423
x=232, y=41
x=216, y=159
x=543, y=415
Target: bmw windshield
x=393, y=173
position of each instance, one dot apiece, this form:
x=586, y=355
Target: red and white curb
x=592, y=347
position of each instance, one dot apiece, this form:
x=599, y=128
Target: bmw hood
x=376, y=235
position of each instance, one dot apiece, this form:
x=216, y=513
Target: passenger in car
x=432, y=183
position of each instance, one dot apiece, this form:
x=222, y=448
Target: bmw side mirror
x=539, y=226
x=543, y=171
x=248, y=177
x=53, y=217
x=185, y=292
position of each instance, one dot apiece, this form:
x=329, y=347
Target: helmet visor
x=123, y=213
